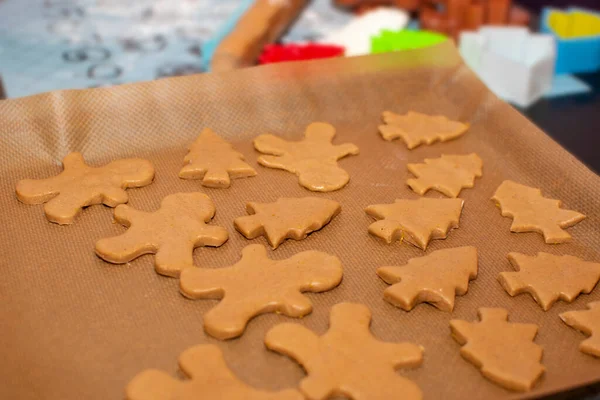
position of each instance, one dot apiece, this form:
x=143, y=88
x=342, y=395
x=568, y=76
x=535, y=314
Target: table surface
x=573, y=121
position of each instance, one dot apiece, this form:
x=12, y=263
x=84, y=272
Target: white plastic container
x=515, y=64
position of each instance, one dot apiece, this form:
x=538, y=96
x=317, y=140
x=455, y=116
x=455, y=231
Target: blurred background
x=541, y=56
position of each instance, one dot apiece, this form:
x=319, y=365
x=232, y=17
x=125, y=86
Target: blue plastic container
x=574, y=54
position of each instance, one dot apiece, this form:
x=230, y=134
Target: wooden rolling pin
x=261, y=24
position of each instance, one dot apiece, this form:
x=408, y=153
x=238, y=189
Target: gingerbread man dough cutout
x=588, y=322
x=348, y=360
x=80, y=185
x=210, y=378
x=504, y=351
x=313, y=159
x=292, y=218
x=214, y=160
x=415, y=221
x=172, y=233
x=533, y=213
x=435, y=278
x=548, y=277
x=257, y=285
x=416, y=128
x=448, y=174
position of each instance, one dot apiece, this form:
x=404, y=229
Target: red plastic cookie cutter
x=274, y=53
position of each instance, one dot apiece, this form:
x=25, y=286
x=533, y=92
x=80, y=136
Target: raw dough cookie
x=504, y=351
x=348, y=360
x=433, y=279
x=313, y=159
x=416, y=221
x=286, y=218
x=257, y=285
x=172, y=233
x=548, y=277
x=209, y=379
x=416, y=128
x=534, y=213
x=80, y=186
x=588, y=322
x=447, y=174
x=214, y=160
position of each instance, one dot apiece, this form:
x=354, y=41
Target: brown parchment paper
x=75, y=327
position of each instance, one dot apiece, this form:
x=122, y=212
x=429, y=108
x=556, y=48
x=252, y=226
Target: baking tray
x=77, y=327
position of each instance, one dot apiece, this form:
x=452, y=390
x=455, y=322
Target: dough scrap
x=415, y=221
x=213, y=159
x=588, y=322
x=80, y=185
x=257, y=285
x=313, y=159
x=416, y=128
x=347, y=360
x=286, y=218
x=533, y=213
x=447, y=174
x=172, y=233
x=210, y=378
x=434, y=278
x=549, y=278
x=504, y=351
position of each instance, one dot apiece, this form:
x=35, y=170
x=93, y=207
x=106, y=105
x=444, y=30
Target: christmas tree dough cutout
x=549, y=278
x=347, y=360
x=447, y=174
x=313, y=159
x=415, y=221
x=504, y=351
x=257, y=285
x=210, y=378
x=533, y=213
x=80, y=185
x=213, y=159
x=292, y=218
x=588, y=322
x=434, y=278
x=416, y=128
x=172, y=233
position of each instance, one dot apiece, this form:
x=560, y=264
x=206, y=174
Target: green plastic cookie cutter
x=404, y=40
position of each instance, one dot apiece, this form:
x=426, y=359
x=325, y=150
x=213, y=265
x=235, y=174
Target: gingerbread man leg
x=63, y=208
x=321, y=176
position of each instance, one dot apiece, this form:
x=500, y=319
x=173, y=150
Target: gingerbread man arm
x=212, y=235
x=345, y=149
x=132, y=172
x=38, y=191
x=277, y=147
x=403, y=354
x=204, y=283
x=33, y=191
x=294, y=341
x=271, y=144
x=283, y=161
